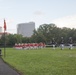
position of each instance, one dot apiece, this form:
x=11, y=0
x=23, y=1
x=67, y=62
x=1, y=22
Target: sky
x=60, y=12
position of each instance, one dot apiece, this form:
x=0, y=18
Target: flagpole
x=4, y=38
x=4, y=45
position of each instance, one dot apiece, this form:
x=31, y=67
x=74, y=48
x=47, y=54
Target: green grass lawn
x=42, y=61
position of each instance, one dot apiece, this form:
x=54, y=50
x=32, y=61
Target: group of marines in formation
x=42, y=45
x=30, y=46
x=70, y=43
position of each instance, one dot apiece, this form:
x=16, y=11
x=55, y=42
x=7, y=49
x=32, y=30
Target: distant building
x=26, y=29
x=2, y=33
x=0, y=29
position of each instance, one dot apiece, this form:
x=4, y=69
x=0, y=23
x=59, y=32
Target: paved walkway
x=5, y=69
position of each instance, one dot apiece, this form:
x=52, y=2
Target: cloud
x=68, y=21
x=38, y=13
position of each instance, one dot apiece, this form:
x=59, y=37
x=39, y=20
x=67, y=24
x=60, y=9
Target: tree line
x=44, y=33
